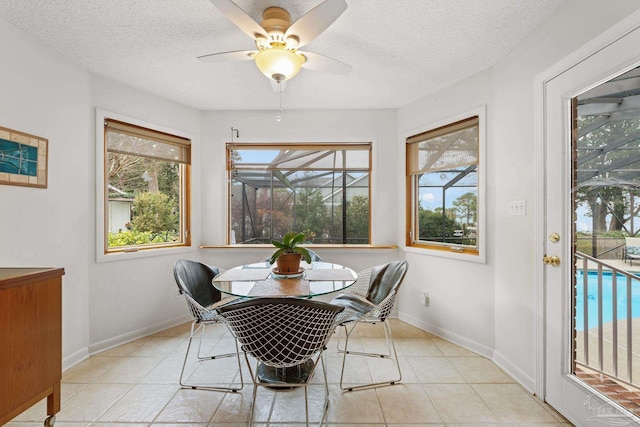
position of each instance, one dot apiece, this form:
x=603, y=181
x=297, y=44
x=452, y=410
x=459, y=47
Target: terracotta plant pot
x=289, y=263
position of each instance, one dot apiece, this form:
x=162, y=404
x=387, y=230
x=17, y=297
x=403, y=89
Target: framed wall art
x=23, y=159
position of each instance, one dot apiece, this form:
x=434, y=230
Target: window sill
x=476, y=258
x=457, y=249
x=129, y=255
x=311, y=246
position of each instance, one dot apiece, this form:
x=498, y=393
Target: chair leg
x=344, y=352
x=306, y=406
x=326, y=389
x=254, y=394
x=391, y=354
x=253, y=405
x=198, y=354
x=364, y=353
x=213, y=356
x=361, y=353
x=235, y=341
x=199, y=327
x=186, y=356
x=325, y=405
x=320, y=359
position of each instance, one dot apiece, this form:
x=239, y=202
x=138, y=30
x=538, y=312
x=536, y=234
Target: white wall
x=46, y=96
x=460, y=306
x=572, y=26
x=134, y=296
x=105, y=303
x=460, y=292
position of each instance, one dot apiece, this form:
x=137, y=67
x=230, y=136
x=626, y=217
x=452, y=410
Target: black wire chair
x=371, y=300
x=287, y=337
x=194, y=282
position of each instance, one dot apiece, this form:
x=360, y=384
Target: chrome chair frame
x=359, y=309
x=203, y=316
x=287, y=338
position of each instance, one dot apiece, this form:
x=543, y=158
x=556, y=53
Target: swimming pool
x=607, y=308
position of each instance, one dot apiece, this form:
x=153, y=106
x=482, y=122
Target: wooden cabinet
x=30, y=340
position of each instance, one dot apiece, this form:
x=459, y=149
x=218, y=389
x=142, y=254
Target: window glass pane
x=304, y=189
x=447, y=215
x=443, y=170
x=145, y=194
x=357, y=214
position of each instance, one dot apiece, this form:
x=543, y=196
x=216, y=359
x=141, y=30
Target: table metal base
x=282, y=378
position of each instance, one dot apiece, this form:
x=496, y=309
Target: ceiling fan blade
x=239, y=17
x=309, y=26
x=234, y=55
x=317, y=62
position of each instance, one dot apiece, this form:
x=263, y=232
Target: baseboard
x=470, y=345
x=75, y=358
x=515, y=372
x=101, y=346
x=136, y=334
x=502, y=362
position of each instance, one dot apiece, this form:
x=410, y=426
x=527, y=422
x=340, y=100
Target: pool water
x=607, y=299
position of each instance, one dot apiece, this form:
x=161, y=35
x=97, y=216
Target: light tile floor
x=443, y=384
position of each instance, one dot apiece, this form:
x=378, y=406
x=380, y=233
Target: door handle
x=551, y=260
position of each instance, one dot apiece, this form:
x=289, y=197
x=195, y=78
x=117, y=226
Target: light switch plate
x=518, y=207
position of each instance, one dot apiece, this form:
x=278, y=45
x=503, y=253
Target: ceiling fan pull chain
x=279, y=115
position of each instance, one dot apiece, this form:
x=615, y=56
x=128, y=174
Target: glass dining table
x=260, y=280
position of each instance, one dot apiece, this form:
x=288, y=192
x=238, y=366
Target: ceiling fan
x=278, y=40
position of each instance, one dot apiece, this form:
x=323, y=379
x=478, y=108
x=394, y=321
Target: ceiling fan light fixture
x=262, y=42
x=292, y=42
x=278, y=61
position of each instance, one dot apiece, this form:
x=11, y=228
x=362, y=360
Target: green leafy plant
x=155, y=212
x=289, y=245
x=134, y=237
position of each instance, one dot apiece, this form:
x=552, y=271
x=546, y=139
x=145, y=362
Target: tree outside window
x=146, y=189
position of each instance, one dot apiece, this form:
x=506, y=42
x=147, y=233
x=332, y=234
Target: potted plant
x=288, y=254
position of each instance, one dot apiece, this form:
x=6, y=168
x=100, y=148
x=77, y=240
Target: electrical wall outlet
x=424, y=299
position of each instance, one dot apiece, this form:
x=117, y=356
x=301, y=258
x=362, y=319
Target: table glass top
x=259, y=279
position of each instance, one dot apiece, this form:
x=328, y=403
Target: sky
x=432, y=198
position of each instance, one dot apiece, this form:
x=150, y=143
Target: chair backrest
x=384, y=279
x=194, y=280
x=314, y=256
x=280, y=332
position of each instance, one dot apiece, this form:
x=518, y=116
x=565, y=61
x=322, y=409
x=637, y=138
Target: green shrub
x=134, y=238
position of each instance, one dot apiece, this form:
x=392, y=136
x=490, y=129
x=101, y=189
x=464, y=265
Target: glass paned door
x=576, y=163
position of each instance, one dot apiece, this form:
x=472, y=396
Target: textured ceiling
x=400, y=50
